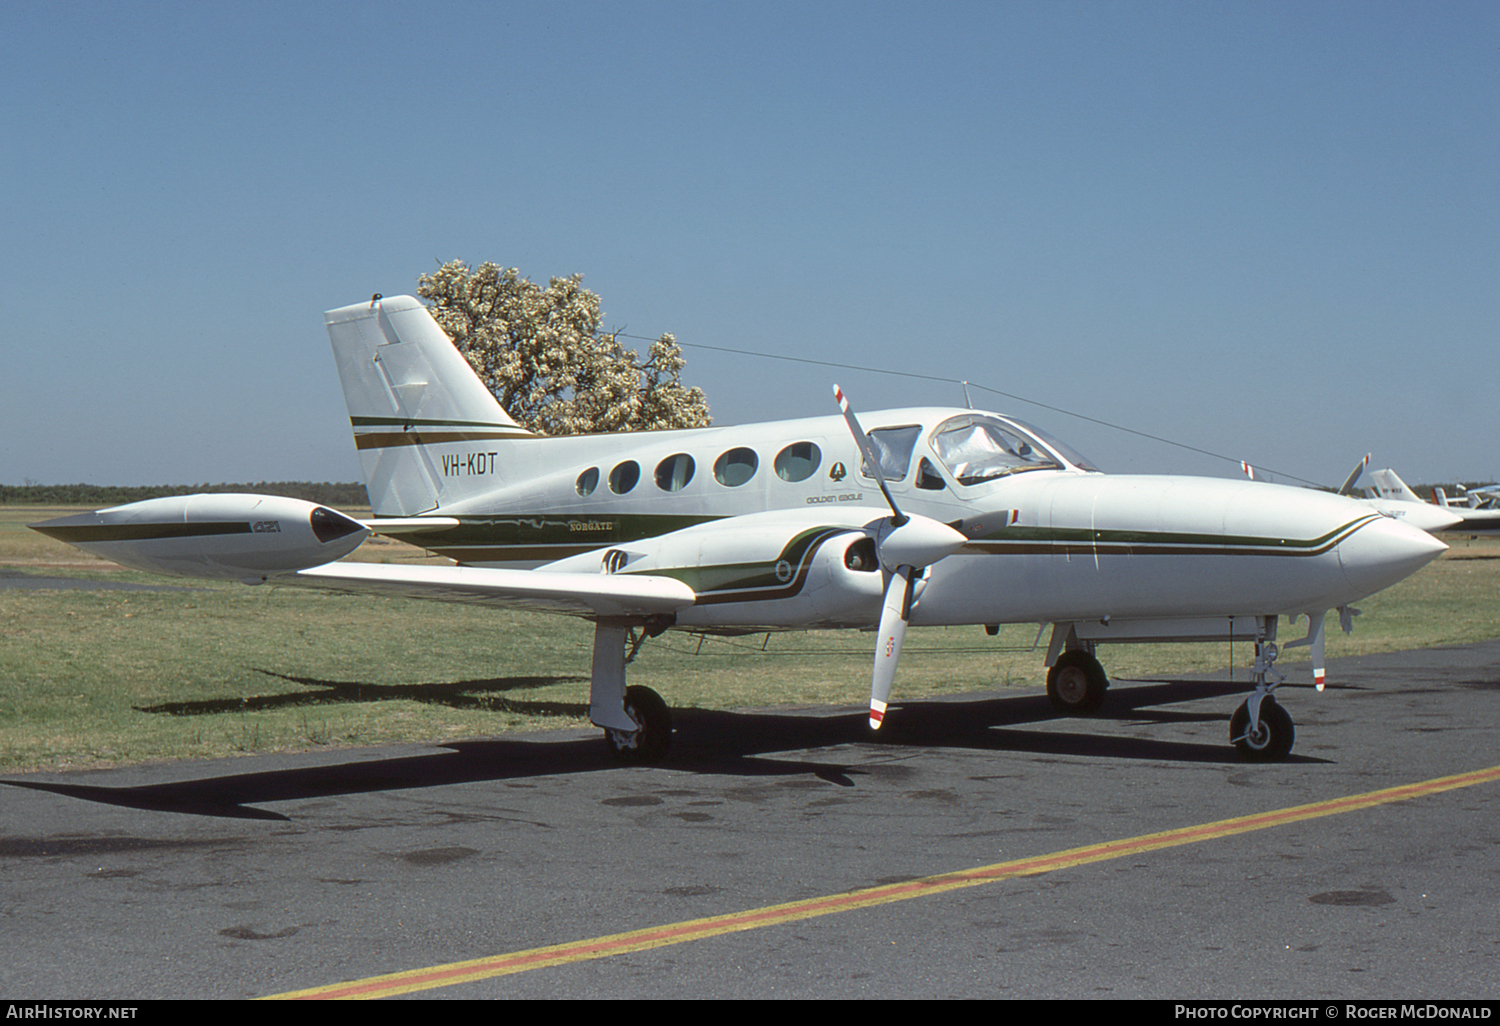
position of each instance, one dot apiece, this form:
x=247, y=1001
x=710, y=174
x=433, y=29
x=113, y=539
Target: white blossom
x=543, y=355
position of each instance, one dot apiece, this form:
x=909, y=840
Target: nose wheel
x=1269, y=739
x=1259, y=728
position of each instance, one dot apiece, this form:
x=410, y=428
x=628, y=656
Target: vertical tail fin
x=427, y=429
x=1389, y=486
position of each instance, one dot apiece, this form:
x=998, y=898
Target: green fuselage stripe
x=77, y=534
x=546, y=538
x=497, y=537
x=1077, y=541
x=401, y=432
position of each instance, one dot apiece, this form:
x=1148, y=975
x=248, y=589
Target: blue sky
x=1266, y=230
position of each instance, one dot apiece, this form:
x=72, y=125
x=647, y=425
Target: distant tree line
x=325, y=493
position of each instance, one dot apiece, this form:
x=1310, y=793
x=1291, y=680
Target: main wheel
x=1076, y=683
x=648, y=744
x=1272, y=738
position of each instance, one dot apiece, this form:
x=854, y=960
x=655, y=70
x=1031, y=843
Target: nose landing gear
x=1261, y=729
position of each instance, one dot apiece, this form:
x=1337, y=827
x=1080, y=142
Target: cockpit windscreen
x=978, y=448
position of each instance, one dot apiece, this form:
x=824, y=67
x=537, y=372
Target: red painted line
x=697, y=929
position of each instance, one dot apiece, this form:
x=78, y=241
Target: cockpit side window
x=928, y=476
x=1061, y=448
x=893, y=446
x=978, y=449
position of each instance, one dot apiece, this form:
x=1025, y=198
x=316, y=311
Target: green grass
x=91, y=678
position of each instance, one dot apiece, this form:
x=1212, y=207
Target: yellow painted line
x=697, y=929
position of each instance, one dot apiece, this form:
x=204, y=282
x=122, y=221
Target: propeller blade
x=1347, y=488
x=902, y=544
x=1318, y=635
x=893, y=616
x=863, y=441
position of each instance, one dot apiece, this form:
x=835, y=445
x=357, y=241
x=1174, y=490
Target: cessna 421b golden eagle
x=933, y=516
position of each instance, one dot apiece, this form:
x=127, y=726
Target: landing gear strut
x=1259, y=728
x=637, y=724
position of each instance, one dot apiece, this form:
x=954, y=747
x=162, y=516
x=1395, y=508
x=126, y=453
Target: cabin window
x=736, y=467
x=624, y=477
x=674, y=472
x=798, y=461
x=588, y=481
x=893, y=446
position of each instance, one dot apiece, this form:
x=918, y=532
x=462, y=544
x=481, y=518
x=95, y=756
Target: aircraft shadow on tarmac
x=491, y=695
x=710, y=742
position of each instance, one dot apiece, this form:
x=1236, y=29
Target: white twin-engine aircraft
x=932, y=517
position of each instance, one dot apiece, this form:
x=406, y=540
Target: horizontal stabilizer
x=396, y=526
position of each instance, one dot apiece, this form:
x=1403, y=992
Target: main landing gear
x=651, y=738
x=1076, y=683
x=637, y=723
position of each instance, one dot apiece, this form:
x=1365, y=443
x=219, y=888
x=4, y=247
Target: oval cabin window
x=623, y=478
x=674, y=472
x=798, y=461
x=736, y=467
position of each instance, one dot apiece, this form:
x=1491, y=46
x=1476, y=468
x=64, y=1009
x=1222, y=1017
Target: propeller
x=905, y=545
x=1347, y=488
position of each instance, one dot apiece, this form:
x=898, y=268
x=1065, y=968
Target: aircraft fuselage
x=761, y=518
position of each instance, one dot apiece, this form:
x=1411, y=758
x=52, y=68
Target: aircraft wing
x=590, y=595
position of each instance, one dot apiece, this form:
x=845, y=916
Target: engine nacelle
x=219, y=536
x=783, y=568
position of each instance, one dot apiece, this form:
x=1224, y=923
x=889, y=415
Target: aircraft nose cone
x=1385, y=551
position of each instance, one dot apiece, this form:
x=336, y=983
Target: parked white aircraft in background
x=935, y=516
x=1483, y=497
x=1479, y=510
x=1390, y=495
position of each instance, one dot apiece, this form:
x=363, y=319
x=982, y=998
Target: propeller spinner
x=905, y=545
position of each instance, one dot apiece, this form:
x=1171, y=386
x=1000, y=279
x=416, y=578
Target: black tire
x=1076, y=683
x=1272, y=742
x=649, y=744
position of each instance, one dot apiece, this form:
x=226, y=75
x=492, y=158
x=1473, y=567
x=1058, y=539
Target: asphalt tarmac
x=1129, y=855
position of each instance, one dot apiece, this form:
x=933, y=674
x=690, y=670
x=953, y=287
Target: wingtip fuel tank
x=226, y=536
